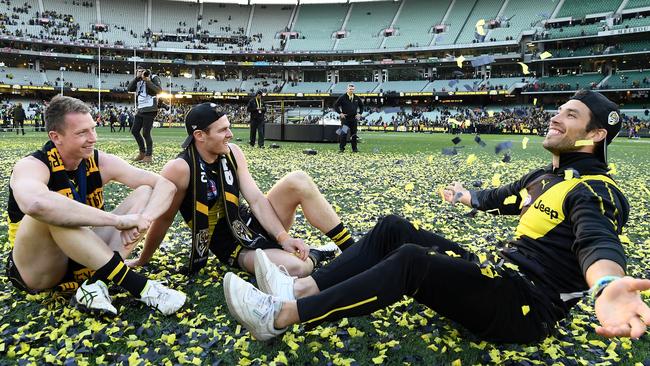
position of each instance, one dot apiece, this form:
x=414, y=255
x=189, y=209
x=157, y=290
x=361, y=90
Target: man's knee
x=299, y=269
x=408, y=253
x=300, y=182
x=394, y=224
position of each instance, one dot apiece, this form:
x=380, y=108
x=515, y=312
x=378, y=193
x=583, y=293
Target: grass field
x=396, y=173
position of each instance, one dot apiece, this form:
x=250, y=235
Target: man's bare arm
x=116, y=169
x=29, y=185
x=178, y=172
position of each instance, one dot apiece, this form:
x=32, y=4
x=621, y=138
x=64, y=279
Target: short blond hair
x=58, y=108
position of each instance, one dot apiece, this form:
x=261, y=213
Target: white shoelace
x=262, y=304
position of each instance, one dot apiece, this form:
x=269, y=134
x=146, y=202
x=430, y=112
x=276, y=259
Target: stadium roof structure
x=292, y=2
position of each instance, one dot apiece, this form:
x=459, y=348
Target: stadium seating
x=220, y=86
x=570, y=82
x=360, y=86
x=484, y=9
x=228, y=16
x=122, y=17
x=574, y=31
x=269, y=20
x=520, y=17
x=113, y=81
x=306, y=87
x=415, y=22
x=502, y=83
x=633, y=4
x=402, y=86
x=453, y=85
x=455, y=21
x=628, y=80
x=365, y=24
x=77, y=79
x=579, y=8
x=316, y=23
x=167, y=14
x=20, y=76
x=86, y=17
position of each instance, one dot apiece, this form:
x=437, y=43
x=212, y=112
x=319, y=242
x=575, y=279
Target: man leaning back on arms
x=58, y=224
x=566, y=247
x=210, y=174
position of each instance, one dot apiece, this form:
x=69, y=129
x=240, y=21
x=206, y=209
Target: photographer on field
x=146, y=86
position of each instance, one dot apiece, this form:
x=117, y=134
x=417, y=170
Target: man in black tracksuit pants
x=146, y=86
x=349, y=107
x=567, y=240
x=257, y=109
x=19, y=118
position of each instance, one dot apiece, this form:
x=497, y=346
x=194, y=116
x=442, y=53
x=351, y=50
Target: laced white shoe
x=93, y=297
x=162, y=298
x=329, y=250
x=272, y=279
x=255, y=310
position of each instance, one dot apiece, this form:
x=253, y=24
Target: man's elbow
x=36, y=208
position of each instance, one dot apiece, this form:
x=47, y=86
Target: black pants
x=19, y=125
x=343, y=138
x=144, y=122
x=257, y=126
x=395, y=259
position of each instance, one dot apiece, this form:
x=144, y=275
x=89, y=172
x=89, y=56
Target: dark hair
x=58, y=108
x=593, y=125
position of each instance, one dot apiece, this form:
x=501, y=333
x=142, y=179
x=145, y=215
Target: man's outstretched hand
x=620, y=309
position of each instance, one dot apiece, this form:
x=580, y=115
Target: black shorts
x=228, y=250
x=75, y=274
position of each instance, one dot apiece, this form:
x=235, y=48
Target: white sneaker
x=251, y=307
x=272, y=279
x=162, y=298
x=93, y=297
x=330, y=250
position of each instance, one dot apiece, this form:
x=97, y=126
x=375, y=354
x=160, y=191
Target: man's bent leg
x=41, y=252
x=38, y=259
x=297, y=188
x=369, y=290
x=294, y=265
x=390, y=233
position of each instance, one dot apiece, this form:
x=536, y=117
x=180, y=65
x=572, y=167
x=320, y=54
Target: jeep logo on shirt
x=547, y=210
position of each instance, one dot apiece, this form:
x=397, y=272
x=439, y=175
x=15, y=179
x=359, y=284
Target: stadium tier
x=364, y=25
x=316, y=25
x=580, y=8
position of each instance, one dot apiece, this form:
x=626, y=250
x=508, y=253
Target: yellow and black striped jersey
x=570, y=217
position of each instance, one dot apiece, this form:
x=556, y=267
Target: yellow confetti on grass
x=496, y=180
x=471, y=159
x=409, y=187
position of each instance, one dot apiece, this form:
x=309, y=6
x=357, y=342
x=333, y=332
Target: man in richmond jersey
x=58, y=229
x=210, y=174
x=566, y=247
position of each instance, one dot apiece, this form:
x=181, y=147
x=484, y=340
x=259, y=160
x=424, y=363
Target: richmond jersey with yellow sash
x=570, y=217
x=216, y=209
x=60, y=181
